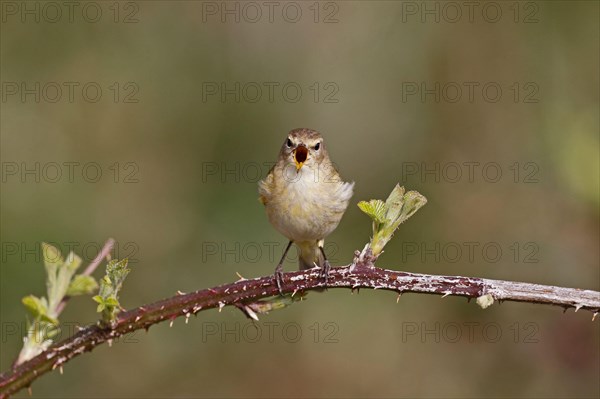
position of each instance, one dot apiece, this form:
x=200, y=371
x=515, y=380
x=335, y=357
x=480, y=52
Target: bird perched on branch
x=305, y=198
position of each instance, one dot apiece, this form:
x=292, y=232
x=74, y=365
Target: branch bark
x=358, y=275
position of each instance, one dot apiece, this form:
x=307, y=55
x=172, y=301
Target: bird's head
x=304, y=148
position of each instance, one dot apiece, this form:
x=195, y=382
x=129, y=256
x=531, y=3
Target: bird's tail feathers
x=310, y=255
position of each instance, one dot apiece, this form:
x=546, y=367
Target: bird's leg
x=279, y=269
x=326, y=265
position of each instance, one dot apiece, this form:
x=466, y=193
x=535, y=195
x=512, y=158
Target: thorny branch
x=361, y=274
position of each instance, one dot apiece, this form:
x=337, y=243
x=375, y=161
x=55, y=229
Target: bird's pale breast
x=304, y=208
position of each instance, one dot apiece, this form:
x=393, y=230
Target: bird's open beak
x=300, y=155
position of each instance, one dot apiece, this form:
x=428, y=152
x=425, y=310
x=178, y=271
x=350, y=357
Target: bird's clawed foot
x=325, y=271
x=279, y=269
x=279, y=277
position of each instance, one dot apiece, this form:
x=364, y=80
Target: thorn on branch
x=247, y=311
x=241, y=278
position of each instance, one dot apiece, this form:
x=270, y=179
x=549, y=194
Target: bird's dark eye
x=289, y=143
x=317, y=146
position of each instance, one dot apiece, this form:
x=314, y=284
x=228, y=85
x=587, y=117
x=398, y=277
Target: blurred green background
x=180, y=159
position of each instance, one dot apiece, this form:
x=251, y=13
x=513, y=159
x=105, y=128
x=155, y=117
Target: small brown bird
x=305, y=198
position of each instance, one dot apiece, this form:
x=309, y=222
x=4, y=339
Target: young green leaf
x=110, y=286
x=82, y=284
x=59, y=283
x=387, y=216
x=375, y=209
x=38, y=307
x=275, y=303
x=72, y=262
x=52, y=261
x=51, y=255
x=394, y=203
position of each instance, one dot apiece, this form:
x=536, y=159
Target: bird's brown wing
x=265, y=185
